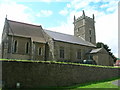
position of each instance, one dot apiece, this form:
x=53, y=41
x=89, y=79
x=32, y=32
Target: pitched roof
x=95, y=50
x=68, y=38
x=35, y=32
x=26, y=30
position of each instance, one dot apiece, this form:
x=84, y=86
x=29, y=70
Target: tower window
x=78, y=29
x=15, y=46
x=27, y=48
x=61, y=52
x=90, y=39
x=90, y=32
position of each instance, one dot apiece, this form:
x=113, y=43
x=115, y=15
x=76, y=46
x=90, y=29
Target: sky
x=57, y=15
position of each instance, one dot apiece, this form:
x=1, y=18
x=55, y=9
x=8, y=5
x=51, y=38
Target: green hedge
x=50, y=62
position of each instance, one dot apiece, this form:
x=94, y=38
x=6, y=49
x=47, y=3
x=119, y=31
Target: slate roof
x=95, y=50
x=35, y=32
x=26, y=30
x=68, y=38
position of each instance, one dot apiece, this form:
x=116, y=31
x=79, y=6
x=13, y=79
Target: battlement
x=86, y=17
x=83, y=17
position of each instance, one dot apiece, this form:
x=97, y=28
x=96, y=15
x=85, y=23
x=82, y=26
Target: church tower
x=84, y=27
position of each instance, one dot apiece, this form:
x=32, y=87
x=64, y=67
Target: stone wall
x=21, y=49
x=103, y=58
x=70, y=51
x=39, y=74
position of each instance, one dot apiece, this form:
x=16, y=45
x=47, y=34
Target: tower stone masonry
x=84, y=27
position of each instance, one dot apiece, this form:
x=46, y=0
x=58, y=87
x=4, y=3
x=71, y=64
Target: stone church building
x=32, y=42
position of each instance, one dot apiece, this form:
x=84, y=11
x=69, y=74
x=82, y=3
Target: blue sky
x=57, y=15
x=46, y=14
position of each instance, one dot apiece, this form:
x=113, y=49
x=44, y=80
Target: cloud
x=107, y=30
x=68, y=5
x=63, y=12
x=14, y=11
x=104, y=5
x=47, y=1
x=44, y=13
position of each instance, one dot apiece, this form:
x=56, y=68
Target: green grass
x=50, y=62
x=101, y=84
x=93, y=85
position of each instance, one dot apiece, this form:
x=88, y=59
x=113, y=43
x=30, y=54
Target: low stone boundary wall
x=38, y=74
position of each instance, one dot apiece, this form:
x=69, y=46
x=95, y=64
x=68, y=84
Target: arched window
x=39, y=51
x=90, y=39
x=15, y=46
x=27, y=48
x=90, y=32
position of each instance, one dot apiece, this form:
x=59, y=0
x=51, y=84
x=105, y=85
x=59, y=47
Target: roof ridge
x=24, y=23
x=58, y=32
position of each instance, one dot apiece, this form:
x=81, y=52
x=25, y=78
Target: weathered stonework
x=84, y=27
x=36, y=74
x=70, y=51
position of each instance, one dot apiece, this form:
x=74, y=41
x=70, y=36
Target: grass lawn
x=105, y=84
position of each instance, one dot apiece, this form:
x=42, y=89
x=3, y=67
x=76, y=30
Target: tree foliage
x=105, y=46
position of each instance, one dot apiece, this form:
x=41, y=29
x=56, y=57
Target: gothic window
x=39, y=51
x=90, y=32
x=15, y=46
x=61, y=52
x=27, y=48
x=79, y=54
x=90, y=39
x=78, y=29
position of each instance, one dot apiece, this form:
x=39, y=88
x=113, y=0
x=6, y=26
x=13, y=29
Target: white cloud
x=107, y=30
x=13, y=11
x=44, y=13
x=68, y=5
x=63, y=12
x=104, y=5
x=63, y=28
x=47, y=1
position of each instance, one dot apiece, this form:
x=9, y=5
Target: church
x=32, y=42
